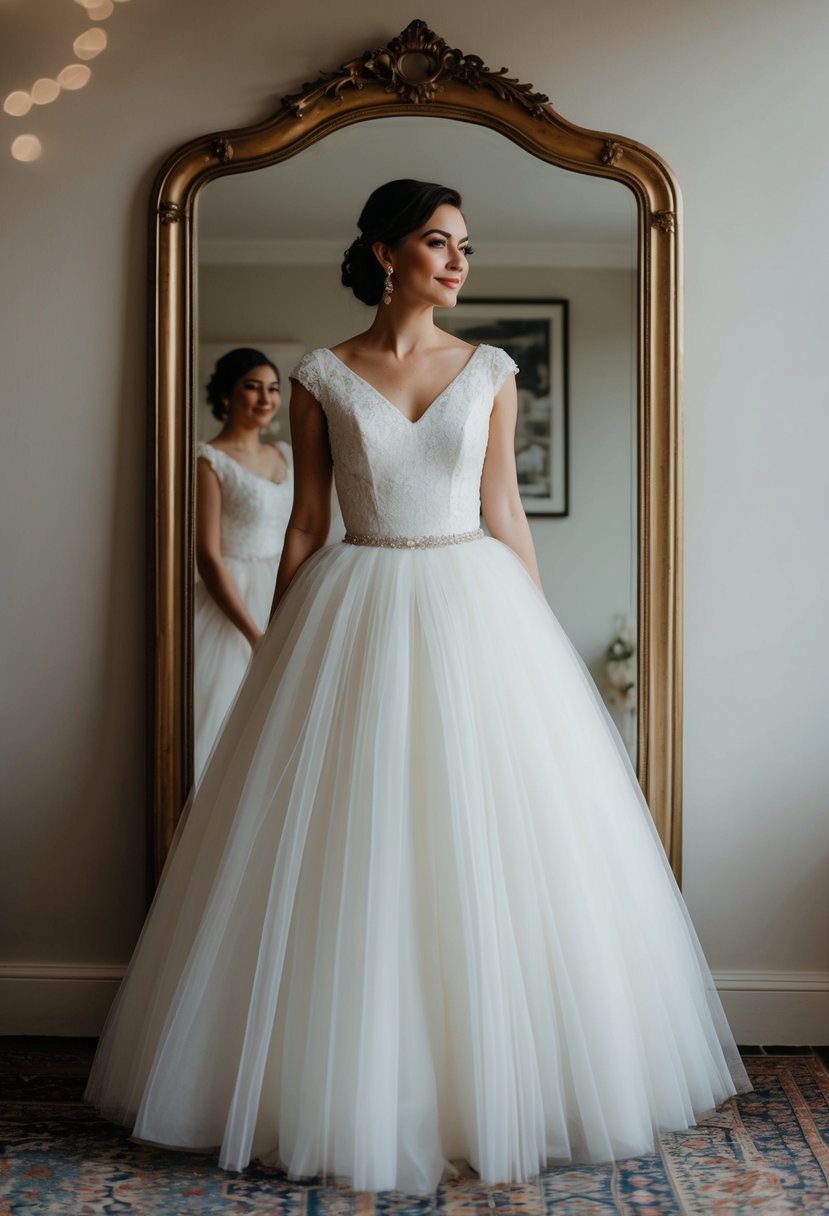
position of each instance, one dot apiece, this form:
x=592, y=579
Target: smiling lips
x=450, y=282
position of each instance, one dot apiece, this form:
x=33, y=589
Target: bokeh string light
x=45, y=91
x=17, y=104
x=90, y=43
x=74, y=76
x=26, y=147
x=100, y=12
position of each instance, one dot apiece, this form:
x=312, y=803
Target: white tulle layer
x=418, y=910
x=221, y=652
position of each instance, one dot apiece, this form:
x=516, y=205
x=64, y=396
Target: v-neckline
x=409, y=421
x=259, y=476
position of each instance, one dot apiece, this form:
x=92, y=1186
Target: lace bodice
x=254, y=510
x=397, y=478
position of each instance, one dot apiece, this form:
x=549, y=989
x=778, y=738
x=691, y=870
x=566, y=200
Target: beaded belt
x=412, y=542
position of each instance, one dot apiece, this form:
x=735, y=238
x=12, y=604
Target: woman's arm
x=310, y=518
x=500, y=498
x=214, y=573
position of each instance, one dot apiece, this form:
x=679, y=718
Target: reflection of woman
x=417, y=910
x=243, y=499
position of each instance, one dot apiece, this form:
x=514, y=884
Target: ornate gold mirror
x=560, y=214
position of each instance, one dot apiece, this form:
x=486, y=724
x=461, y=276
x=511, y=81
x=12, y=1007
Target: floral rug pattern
x=764, y=1154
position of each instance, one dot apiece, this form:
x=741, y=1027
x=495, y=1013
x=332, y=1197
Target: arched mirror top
x=417, y=74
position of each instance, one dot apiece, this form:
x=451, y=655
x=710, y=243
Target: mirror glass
x=553, y=280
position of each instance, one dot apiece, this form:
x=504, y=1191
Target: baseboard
x=56, y=999
x=769, y=1007
x=776, y=1007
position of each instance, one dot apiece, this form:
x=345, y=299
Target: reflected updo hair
x=229, y=370
x=391, y=213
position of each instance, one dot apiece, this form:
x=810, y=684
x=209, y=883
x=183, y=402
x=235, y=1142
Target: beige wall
x=734, y=96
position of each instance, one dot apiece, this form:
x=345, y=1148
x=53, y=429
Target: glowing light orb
x=89, y=44
x=17, y=104
x=26, y=147
x=101, y=10
x=75, y=76
x=44, y=91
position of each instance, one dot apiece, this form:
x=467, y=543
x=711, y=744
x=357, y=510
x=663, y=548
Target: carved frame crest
x=415, y=73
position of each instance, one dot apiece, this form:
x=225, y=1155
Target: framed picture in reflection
x=534, y=333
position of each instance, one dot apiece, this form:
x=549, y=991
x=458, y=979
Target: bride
x=417, y=910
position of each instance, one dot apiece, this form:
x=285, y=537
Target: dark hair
x=391, y=213
x=229, y=370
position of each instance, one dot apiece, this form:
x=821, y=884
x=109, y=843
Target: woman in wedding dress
x=244, y=489
x=417, y=911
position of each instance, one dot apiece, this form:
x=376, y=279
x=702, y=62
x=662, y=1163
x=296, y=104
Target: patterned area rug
x=764, y=1154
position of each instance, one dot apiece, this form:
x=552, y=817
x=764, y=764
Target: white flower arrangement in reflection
x=620, y=664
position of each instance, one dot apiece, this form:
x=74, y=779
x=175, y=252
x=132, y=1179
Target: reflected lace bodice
x=254, y=510
x=397, y=478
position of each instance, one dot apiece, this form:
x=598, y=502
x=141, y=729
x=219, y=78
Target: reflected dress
x=417, y=910
x=254, y=516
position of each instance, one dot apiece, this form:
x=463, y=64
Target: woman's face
x=255, y=398
x=430, y=266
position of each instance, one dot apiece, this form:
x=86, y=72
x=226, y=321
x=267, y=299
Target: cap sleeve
x=307, y=373
x=503, y=365
x=205, y=452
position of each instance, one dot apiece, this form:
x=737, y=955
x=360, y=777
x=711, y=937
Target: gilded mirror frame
x=416, y=74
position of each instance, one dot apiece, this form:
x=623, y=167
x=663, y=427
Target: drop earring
x=388, y=286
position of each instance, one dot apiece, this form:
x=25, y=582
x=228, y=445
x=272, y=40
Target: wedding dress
x=417, y=910
x=255, y=514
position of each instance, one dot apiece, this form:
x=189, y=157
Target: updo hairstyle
x=391, y=213
x=229, y=370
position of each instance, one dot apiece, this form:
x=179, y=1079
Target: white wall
x=734, y=96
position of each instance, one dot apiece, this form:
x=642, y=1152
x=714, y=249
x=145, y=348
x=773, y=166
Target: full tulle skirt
x=220, y=652
x=417, y=910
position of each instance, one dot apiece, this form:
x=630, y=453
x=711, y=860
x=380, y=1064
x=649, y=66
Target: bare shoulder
x=450, y=342
x=359, y=347
x=349, y=347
